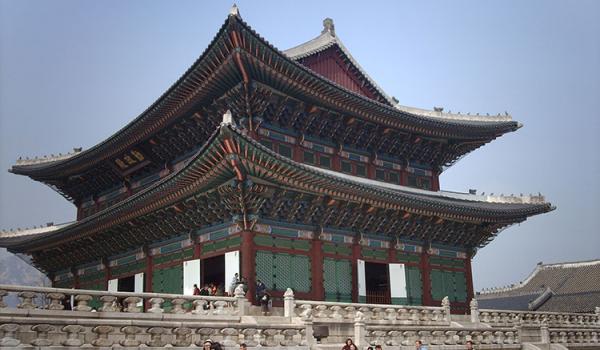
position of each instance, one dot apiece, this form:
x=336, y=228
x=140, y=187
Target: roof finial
x=234, y=11
x=328, y=26
x=227, y=118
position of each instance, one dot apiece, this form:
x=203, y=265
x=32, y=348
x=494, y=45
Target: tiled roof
x=575, y=287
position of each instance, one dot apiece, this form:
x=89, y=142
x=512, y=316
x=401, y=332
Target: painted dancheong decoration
x=293, y=167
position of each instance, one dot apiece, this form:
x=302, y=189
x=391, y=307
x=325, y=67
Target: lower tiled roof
x=575, y=287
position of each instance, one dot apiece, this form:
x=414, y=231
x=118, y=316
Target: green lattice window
x=337, y=280
x=279, y=271
x=169, y=280
x=448, y=283
x=414, y=286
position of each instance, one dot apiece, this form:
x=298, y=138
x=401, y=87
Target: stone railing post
x=241, y=301
x=82, y=302
x=269, y=339
x=8, y=335
x=249, y=336
x=156, y=305
x=41, y=331
x=544, y=333
x=598, y=315
x=230, y=337
x=288, y=303
x=288, y=337
x=474, y=311
x=56, y=301
x=3, y=293
x=130, y=332
x=183, y=336
x=26, y=300
x=102, y=339
x=308, y=326
x=72, y=331
x=109, y=303
x=446, y=307
x=132, y=304
x=360, y=331
x=156, y=334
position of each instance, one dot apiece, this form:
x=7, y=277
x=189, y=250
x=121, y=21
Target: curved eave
x=144, y=124
x=198, y=176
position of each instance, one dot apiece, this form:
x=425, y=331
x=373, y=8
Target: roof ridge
x=438, y=112
x=48, y=158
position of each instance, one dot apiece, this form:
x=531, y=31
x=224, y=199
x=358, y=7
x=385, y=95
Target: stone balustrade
x=321, y=311
x=551, y=319
x=138, y=333
x=406, y=336
x=56, y=298
x=572, y=337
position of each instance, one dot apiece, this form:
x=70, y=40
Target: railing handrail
x=437, y=328
x=538, y=312
x=48, y=290
x=358, y=305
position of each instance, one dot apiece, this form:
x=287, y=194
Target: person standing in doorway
x=233, y=284
x=260, y=289
x=196, y=290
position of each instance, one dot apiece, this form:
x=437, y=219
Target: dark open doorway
x=213, y=271
x=126, y=284
x=378, y=283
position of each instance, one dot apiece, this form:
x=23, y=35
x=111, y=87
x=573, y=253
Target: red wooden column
x=197, y=250
x=248, y=252
x=149, y=270
x=355, y=256
x=425, y=276
x=76, y=283
x=316, y=266
x=107, y=273
x=435, y=181
x=469, y=280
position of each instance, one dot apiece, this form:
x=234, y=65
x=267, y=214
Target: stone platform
x=106, y=320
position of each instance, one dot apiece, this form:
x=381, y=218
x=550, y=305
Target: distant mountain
x=15, y=271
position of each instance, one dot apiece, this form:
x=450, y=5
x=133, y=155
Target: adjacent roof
x=562, y=287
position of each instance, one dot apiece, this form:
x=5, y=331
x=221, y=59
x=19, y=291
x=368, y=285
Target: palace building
x=293, y=167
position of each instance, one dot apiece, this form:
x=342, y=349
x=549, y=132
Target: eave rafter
x=234, y=177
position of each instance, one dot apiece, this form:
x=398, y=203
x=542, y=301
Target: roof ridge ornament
x=328, y=26
x=227, y=118
x=235, y=11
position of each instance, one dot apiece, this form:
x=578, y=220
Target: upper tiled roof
x=574, y=287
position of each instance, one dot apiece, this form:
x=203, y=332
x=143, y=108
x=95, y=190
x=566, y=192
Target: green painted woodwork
x=337, y=280
x=340, y=249
x=169, y=280
x=448, y=283
x=404, y=257
x=228, y=243
x=175, y=256
x=414, y=286
x=279, y=271
x=279, y=242
x=128, y=269
x=86, y=278
x=455, y=263
x=126, y=260
x=67, y=283
x=377, y=254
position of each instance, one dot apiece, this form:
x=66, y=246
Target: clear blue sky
x=74, y=72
